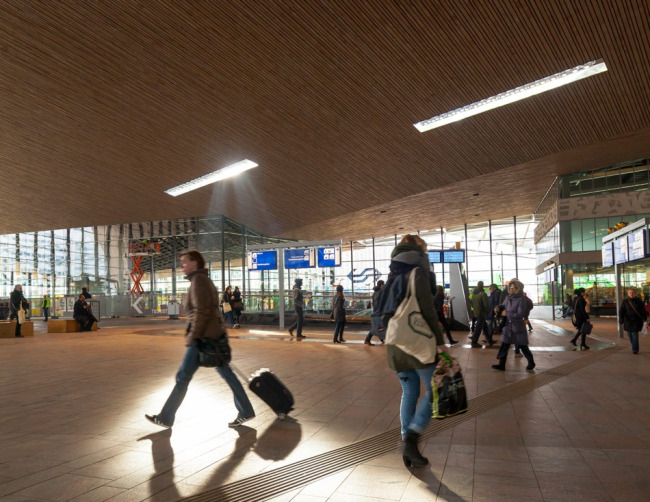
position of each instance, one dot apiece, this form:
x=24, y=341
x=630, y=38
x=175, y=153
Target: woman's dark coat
x=515, y=329
x=338, y=308
x=579, y=310
x=630, y=320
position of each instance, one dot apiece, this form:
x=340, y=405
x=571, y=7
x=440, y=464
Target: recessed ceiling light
x=475, y=195
x=477, y=215
x=400, y=228
x=221, y=174
x=522, y=92
x=382, y=212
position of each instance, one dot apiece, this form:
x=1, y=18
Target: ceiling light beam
x=221, y=174
x=516, y=94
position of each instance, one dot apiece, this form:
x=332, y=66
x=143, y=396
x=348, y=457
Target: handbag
x=21, y=314
x=449, y=395
x=644, y=330
x=586, y=328
x=226, y=307
x=237, y=305
x=214, y=352
x=409, y=331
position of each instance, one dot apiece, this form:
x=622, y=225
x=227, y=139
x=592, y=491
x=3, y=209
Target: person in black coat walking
x=632, y=315
x=338, y=313
x=580, y=309
x=375, y=330
x=17, y=302
x=439, y=303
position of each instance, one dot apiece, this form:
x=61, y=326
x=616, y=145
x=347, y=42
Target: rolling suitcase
x=269, y=389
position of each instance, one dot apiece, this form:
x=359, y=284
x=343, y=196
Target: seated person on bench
x=81, y=314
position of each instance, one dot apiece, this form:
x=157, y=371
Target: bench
x=8, y=329
x=66, y=326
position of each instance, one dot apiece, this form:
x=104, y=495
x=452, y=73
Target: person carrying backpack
x=410, y=264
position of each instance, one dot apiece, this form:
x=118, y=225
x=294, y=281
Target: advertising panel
x=299, y=258
x=637, y=245
x=453, y=256
x=620, y=250
x=329, y=257
x=608, y=254
x=263, y=260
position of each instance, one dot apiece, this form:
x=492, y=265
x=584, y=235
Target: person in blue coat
x=514, y=331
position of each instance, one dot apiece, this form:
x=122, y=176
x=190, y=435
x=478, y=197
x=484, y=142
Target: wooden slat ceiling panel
x=107, y=104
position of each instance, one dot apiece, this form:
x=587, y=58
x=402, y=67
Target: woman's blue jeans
x=634, y=340
x=188, y=367
x=415, y=417
x=228, y=317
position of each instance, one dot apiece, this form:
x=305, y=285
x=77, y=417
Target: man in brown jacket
x=203, y=321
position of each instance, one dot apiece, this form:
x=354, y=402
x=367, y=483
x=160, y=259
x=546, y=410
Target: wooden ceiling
x=104, y=105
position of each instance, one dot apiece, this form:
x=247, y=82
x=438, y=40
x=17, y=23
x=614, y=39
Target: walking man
x=480, y=306
x=299, y=306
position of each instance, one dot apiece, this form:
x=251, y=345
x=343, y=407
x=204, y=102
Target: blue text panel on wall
x=329, y=257
x=435, y=256
x=262, y=260
x=299, y=258
x=620, y=250
x=608, y=254
x=637, y=245
x=453, y=256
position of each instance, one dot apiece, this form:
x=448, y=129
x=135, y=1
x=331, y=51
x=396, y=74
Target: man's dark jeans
x=46, y=312
x=85, y=322
x=297, y=325
x=478, y=329
x=188, y=367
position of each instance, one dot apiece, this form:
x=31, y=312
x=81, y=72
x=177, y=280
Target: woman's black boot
x=412, y=456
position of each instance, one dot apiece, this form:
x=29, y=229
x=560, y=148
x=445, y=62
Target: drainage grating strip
x=272, y=483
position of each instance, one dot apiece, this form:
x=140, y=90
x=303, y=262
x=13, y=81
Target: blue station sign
x=299, y=258
x=329, y=257
x=262, y=260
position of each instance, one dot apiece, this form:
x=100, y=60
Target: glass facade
x=623, y=177
x=61, y=262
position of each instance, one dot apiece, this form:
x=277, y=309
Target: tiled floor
x=72, y=426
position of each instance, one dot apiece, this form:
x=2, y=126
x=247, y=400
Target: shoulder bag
x=409, y=331
x=214, y=352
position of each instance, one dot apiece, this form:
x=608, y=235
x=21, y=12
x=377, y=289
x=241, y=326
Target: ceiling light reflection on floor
x=522, y=92
x=221, y=174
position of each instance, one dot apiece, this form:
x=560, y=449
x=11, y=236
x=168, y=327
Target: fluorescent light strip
x=525, y=91
x=221, y=174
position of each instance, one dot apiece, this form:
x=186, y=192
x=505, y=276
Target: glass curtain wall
x=60, y=262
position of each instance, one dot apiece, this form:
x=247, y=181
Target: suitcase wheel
x=282, y=416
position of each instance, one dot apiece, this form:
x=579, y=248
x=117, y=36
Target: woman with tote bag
x=413, y=338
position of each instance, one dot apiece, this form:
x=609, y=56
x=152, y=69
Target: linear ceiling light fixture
x=221, y=174
x=525, y=91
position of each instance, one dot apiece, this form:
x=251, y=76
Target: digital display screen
x=263, y=260
x=620, y=250
x=453, y=256
x=435, y=256
x=329, y=257
x=299, y=258
x=608, y=254
x=637, y=245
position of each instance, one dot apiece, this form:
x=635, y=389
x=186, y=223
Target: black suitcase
x=271, y=390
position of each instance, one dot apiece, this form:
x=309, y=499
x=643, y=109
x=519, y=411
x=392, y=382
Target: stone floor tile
x=516, y=469
x=98, y=494
x=62, y=488
x=488, y=492
x=378, y=482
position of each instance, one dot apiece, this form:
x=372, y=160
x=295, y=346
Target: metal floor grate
x=272, y=483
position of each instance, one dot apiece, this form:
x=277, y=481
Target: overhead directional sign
x=262, y=260
x=299, y=258
x=329, y=257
